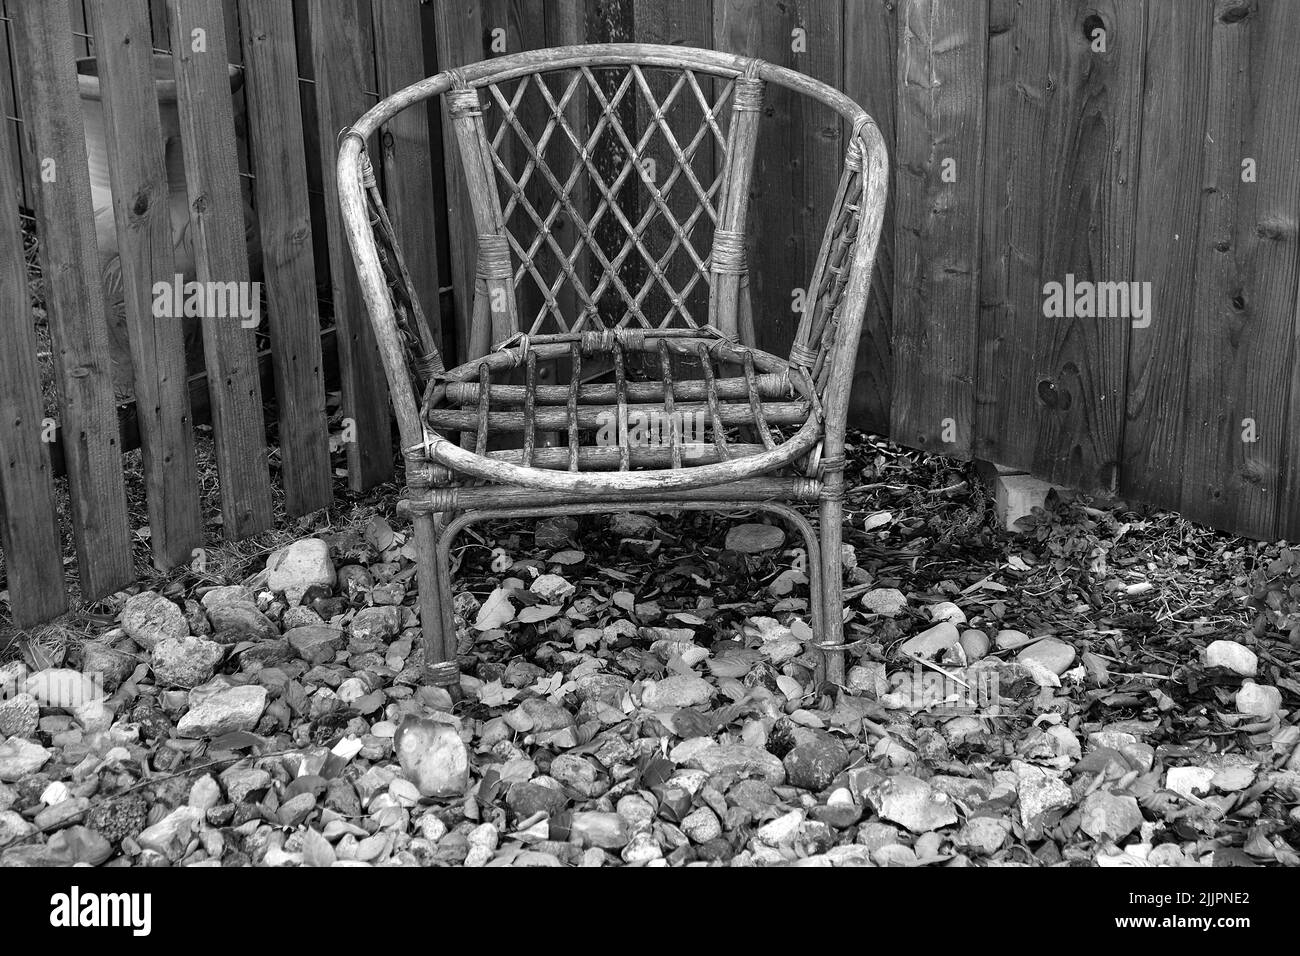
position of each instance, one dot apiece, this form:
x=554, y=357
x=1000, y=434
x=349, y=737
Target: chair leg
x=832, y=596
x=433, y=575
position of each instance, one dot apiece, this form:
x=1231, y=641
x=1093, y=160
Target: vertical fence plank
x=280, y=165
x=220, y=254
x=407, y=156
x=800, y=150
x=1165, y=250
x=9, y=110
x=138, y=174
x=162, y=39
x=941, y=69
x=341, y=72
x=460, y=34
x=1244, y=340
x=870, y=78
x=74, y=305
x=29, y=530
x=1064, y=94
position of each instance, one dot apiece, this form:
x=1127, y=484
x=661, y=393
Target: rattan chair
x=614, y=362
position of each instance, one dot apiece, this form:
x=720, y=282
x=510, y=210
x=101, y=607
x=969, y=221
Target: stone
x=185, y=662
x=754, y=538
x=1189, y=781
x=300, y=617
x=1008, y=639
x=1109, y=816
x=782, y=830
x=578, y=775
x=295, y=811
x=224, y=711
x=911, y=802
x=316, y=643
x=1051, y=653
x=873, y=835
x=63, y=688
x=868, y=679
x=1039, y=791
x=171, y=835
x=227, y=594
x=433, y=756
x=815, y=764
x=376, y=623
x=148, y=618
x=701, y=825
x=299, y=567
x=885, y=601
x=931, y=642
x=947, y=611
x=243, y=782
x=61, y=814
x=642, y=849
x=1233, y=656
x=1258, y=700
x=592, y=828
x=632, y=525
x=20, y=759
x=354, y=581
x=117, y=819
x=984, y=834
x=19, y=716
x=680, y=690
x=606, y=688
x=237, y=621
x=538, y=715
x=109, y=665
x=739, y=759
x=13, y=827
x=529, y=798
x=205, y=793
x=552, y=588
x=974, y=644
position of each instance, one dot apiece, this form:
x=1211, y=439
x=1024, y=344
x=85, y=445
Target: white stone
x=1235, y=657
x=302, y=565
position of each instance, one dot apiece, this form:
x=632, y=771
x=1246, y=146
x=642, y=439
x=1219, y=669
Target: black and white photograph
x=619, y=434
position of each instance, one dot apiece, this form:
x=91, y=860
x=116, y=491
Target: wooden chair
x=609, y=186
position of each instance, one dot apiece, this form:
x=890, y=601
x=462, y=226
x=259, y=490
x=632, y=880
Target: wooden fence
x=1055, y=141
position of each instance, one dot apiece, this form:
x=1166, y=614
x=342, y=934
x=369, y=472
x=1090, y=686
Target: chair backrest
x=609, y=186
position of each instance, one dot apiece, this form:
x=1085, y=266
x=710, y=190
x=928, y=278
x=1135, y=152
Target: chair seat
x=678, y=403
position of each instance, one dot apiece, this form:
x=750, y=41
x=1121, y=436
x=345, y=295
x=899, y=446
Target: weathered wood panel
x=800, y=150
x=220, y=255
x=284, y=217
x=870, y=78
x=408, y=160
x=941, y=72
x=1240, y=422
x=1064, y=100
x=138, y=174
x=29, y=528
x=341, y=78
x=1166, y=247
x=74, y=304
x=461, y=39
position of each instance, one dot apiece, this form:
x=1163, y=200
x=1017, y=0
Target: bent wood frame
x=822, y=355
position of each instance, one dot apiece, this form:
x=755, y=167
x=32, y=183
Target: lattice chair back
x=607, y=194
